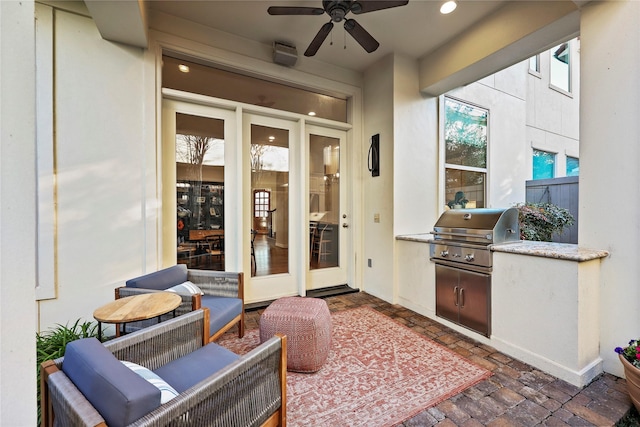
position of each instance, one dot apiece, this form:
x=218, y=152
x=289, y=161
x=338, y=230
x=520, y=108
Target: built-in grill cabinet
x=464, y=297
x=461, y=251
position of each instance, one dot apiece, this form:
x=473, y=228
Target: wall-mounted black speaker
x=373, y=160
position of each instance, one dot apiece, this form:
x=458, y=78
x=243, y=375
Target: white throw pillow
x=186, y=288
x=166, y=391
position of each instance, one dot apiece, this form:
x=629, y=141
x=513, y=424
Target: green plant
x=631, y=352
x=51, y=344
x=540, y=221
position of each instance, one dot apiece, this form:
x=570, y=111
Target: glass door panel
x=324, y=201
x=200, y=191
x=269, y=155
x=328, y=222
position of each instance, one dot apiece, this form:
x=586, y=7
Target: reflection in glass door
x=269, y=154
x=324, y=201
x=199, y=145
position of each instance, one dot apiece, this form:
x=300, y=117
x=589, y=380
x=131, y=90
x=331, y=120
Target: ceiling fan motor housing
x=337, y=9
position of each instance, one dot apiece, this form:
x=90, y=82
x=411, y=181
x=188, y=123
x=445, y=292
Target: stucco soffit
x=513, y=33
x=122, y=21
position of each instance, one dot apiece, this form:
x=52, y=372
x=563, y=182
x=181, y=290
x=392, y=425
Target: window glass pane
x=200, y=191
x=560, y=68
x=465, y=133
x=573, y=166
x=543, y=164
x=192, y=77
x=464, y=189
x=534, y=63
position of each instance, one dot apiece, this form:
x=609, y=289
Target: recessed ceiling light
x=311, y=113
x=448, y=7
x=271, y=138
x=183, y=68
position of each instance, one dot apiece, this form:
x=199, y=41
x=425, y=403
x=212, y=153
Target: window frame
x=553, y=86
x=555, y=164
x=444, y=165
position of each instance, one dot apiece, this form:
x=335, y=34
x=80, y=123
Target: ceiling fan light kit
x=337, y=11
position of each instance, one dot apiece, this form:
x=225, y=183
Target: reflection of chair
x=313, y=226
x=215, y=247
x=320, y=240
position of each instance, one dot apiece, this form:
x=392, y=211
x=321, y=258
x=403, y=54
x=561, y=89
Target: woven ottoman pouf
x=307, y=324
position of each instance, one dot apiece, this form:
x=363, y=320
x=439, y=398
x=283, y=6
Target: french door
x=277, y=181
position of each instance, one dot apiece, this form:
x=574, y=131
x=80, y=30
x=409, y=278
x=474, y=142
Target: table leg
x=99, y=331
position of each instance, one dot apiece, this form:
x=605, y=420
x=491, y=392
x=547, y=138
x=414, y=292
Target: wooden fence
x=562, y=192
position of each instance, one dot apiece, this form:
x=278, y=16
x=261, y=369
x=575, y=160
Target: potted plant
x=458, y=201
x=630, y=358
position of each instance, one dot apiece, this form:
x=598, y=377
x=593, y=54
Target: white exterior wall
x=609, y=173
x=17, y=215
x=104, y=171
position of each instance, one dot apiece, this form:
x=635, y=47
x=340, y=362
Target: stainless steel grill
x=462, y=236
x=462, y=253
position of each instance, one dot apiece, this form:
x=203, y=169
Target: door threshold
x=330, y=291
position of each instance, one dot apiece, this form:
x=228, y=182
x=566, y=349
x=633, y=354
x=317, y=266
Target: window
x=544, y=164
x=573, y=166
x=261, y=203
x=465, y=138
x=560, y=67
x=534, y=64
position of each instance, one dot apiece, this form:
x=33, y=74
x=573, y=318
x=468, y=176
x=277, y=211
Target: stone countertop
x=563, y=251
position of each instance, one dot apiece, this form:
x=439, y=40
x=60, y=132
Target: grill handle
x=446, y=233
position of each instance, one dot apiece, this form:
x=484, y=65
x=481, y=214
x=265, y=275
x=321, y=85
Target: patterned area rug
x=379, y=373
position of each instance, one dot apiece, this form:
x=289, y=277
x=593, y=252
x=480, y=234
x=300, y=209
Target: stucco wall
x=105, y=160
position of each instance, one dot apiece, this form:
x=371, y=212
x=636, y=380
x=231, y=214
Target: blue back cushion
x=120, y=395
x=189, y=370
x=162, y=279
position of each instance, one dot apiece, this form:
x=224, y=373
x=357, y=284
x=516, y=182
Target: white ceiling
x=414, y=30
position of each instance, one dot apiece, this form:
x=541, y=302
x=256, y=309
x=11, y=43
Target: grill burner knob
x=469, y=257
x=444, y=254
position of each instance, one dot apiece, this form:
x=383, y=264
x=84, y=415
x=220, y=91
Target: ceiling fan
x=337, y=11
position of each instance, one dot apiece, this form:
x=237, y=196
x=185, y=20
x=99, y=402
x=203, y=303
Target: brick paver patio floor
x=516, y=395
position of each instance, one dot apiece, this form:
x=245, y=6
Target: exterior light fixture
x=448, y=7
x=183, y=68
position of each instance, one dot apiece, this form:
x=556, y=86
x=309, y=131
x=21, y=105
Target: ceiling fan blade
x=361, y=35
x=292, y=10
x=364, y=6
x=319, y=39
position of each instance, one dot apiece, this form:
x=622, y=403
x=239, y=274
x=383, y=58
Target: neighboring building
x=519, y=124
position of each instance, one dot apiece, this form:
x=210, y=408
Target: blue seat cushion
x=189, y=370
x=222, y=311
x=161, y=279
x=120, y=395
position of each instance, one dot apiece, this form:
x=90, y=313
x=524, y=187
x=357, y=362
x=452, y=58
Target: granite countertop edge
x=562, y=251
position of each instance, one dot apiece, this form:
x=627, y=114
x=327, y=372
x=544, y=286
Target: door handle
x=455, y=296
x=345, y=225
x=461, y=297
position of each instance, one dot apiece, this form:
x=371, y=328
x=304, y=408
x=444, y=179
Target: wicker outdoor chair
x=249, y=391
x=223, y=296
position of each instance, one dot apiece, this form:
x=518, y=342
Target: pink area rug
x=379, y=373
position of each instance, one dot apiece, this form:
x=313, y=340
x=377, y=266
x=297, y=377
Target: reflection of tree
x=256, y=154
x=465, y=132
x=191, y=150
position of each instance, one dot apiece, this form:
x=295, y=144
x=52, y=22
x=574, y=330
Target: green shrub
x=52, y=343
x=540, y=221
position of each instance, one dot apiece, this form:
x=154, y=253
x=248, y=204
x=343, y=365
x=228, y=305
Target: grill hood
x=481, y=225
